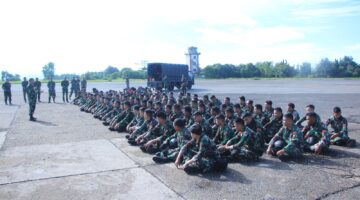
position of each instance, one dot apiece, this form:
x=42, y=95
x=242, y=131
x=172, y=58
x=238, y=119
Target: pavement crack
x=70, y=175
x=143, y=167
x=324, y=196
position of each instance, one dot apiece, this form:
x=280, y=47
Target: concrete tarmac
x=68, y=154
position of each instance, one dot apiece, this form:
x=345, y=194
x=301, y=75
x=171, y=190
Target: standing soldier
x=83, y=85
x=65, y=90
x=37, y=85
x=24, y=86
x=73, y=87
x=51, y=87
x=127, y=81
x=77, y=87
x=32, y=94
x=7, y=91
x=183, y=84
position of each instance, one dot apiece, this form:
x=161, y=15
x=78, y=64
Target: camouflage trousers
x=170, y=154
x=243, y=154
x=32, y=106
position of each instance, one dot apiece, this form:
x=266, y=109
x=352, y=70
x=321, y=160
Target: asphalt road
x=68, y=154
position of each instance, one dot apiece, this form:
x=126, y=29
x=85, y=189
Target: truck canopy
x=173, y=72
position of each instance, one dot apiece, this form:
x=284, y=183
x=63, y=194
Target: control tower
x=192, y=60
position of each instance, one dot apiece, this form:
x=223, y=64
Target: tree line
x=110, y=73
x=344, y=67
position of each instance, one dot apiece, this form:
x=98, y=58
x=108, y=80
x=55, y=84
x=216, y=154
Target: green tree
x=49, y=70
x=6, y=75
x=109, y=70
x=266, y=69
x=283, y=69
x=305, y=69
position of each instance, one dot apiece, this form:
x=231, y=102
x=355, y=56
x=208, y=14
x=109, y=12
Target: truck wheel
x=178, y=86
x=171, y=87
x=189, y=86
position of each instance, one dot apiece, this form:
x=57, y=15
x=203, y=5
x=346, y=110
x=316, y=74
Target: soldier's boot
x=351, y=143
x=49, y=100
x=106, y=123
x=32, y=118
x=284, y=158
x=190, y=169
x=159, y=159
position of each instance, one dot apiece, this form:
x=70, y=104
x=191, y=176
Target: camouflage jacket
x=339, y=126
x=248, y=139
x=223, y=135
x=293, y=137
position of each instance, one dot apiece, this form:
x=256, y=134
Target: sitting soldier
x=224, y=132
x=176, y=112
x=137, y=120
x=245, y=146
x=148, y=125
x=272, y=127
x=187, y=116
x=259, y=116
x=200, y=155
x=206, y=128
x=172, y=145
x=229, y=116
x=115, y=111
x=291, y=109
x=123, y=120
x=317, y=137
x=309, y=109
x=153, y=139
x=288, y=142
x=339, y=134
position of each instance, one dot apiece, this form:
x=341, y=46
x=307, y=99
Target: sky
x=89, y=35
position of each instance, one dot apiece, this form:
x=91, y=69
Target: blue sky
x=80, y=36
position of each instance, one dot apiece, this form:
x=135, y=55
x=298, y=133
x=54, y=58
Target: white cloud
x=354, y=47
x=258, y=36
x=341, y=11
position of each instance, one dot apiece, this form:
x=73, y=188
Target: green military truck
x=168, y=76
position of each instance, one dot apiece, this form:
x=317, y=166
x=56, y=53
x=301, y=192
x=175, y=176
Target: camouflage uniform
x=7, y=92
x=272, y=127
x=300, y=121
x=247, y=145
x=65, y=90
x=203, y=152
x=295, y=115
x=24, y=85
x=51, y=87
x=223, y=135
x=175, y=115
x=260, y=118
x=37, y=85
x=83, y=85
x=320, y=135
x=124, y=119
x=31, y=93
x=162, y=132
x=258, y=129
x=188, y=121
x=148, y=125
x=207, y=129
x=173, y=144
x=293, y=139
x=339, y=126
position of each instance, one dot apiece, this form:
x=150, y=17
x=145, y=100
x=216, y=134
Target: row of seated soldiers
x=200, y=135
